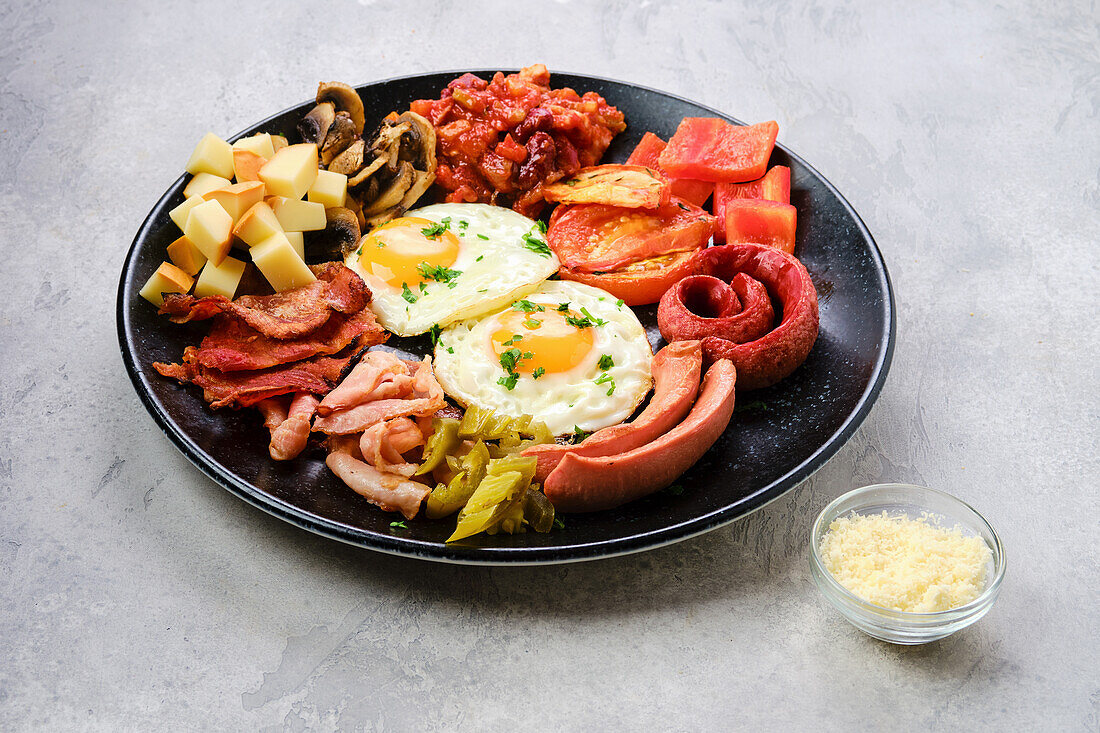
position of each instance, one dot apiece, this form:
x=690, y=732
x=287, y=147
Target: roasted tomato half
x=630, y=186
x=632, y=253
x=598, y=238
x=639, y=283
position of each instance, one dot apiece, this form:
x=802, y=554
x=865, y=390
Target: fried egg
x=447, y=262
x=568, y=354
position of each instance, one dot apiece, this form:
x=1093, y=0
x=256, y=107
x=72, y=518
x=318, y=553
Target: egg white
x=494, y=271
x=468, y=368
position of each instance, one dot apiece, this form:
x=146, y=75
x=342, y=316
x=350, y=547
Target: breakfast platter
x=371, y=315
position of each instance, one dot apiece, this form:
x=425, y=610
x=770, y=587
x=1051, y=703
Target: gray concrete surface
x=137, y=595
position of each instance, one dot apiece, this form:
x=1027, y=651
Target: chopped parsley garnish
x=536, y=245
x=604, y=379
x=526, y=306
x=577, y=322
x=398, y=525
x=606, y=362
x=450, y=349
x=436, y=230
x=381, y=245
x=528, y=355
x=433, y=333
x=439, y=273
x=754, y=405
x=563, y=307
x=481, y=236
x=359, y=251
x=619, y=303
x=509, y=359
x=407, y=294
x=558, y=523
x=531, y=323
x=541, y=225
x=462, y=223
x=597, y=321
x=515, y=337
x=675, y=489
x=578, y=434
x=423, y=286
x=509, y=382
x=538, y=373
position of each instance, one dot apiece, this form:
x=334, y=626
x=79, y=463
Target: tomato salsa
x=501, y=141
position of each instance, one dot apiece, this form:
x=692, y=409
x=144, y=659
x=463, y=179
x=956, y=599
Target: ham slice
x=676, y=370
x=289, y=439
x=383, y=444
x=424, y=397
x=390, y=492
x=244, y=389
x=378, y=375
x=592, y=483
x=286, y=315
x=233, y=345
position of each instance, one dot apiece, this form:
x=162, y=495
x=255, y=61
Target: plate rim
x=513, y=556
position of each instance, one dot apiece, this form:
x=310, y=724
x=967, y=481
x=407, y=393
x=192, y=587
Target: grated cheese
x=905, y=564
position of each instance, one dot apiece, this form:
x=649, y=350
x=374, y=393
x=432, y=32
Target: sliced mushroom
x=346, y=99
x=339, y=237
x=350, y=161
x=314, y=126
x=393, y=193
x=366, y=172
x=353, y=205
x=420, y=184
x=340, y=135
x=379, y=219
x=418, y=142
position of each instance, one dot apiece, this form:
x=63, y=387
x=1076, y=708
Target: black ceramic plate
x=777, y=438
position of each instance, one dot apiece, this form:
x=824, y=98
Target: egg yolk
x=554, y=345
x=395, y=250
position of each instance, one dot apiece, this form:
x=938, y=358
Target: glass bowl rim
x=931, y=618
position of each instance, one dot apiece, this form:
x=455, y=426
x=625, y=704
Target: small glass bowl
x=901, y=627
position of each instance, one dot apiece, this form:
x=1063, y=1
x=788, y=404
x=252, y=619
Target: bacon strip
x=378, y=375
x=383, y=444
x=243, y=389
x=233, y=345
x=424, y=398
x=289, y=439
x=285, y=315
x=388, y=491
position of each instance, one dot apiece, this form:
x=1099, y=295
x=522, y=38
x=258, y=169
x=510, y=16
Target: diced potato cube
x=186, y=256
x=210, y=228
x=181, y=212
x=280, y=264
x=238, y=198
x=220, y=279
x=291, y=171
x=260, y=144
x=278, y=142
x=330, y=189
x=247, y=165
x=298, y=216
x=212, y=155
x=257, y=224
x=203, y=183
x=298, y=242
x=167, y=279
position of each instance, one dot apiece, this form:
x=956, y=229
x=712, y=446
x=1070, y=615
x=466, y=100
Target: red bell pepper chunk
x=710, y=149
x=761, y=222
x=774, y=186
x=648, y=150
